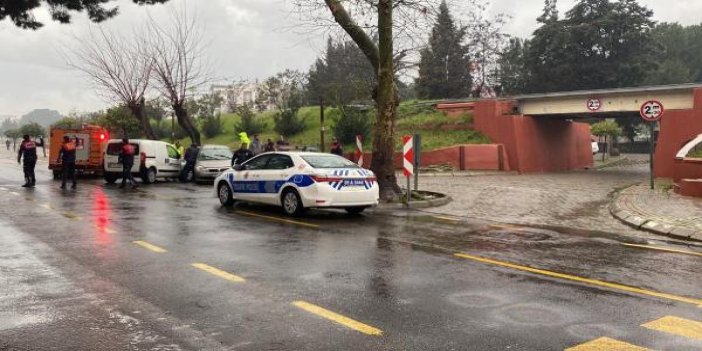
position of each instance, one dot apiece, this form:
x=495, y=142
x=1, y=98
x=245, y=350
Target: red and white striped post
x=359, y=151
x=408, y=162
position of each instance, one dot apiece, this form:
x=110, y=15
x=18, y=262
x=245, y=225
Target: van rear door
x=112, y=152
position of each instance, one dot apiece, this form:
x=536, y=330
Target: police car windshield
x=215, y=154
x=328, y=161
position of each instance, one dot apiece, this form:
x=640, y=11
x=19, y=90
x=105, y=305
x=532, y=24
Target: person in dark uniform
x=242, y=154
x=28, y=150
x=336, y=147
x=126, y=157
x=190, y=159
x=67, y=156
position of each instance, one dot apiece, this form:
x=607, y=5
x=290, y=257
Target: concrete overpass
x=612, y=102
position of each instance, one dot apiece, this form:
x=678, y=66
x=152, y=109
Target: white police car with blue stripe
x=299, y=180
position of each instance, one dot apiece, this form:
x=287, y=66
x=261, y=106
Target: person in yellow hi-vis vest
x=180, y=149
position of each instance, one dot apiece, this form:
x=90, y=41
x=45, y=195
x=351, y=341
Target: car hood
x=214, y=163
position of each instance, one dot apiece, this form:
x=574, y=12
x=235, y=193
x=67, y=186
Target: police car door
x=276, y=173
x=245, y=185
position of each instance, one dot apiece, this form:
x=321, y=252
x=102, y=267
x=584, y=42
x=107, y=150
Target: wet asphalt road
x=73, y=278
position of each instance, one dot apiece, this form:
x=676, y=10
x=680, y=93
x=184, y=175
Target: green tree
x=33, y=130
x=512, y=73
x=248, y=122
x=680, y=54
x=120, y=121
x=606, y=128
x=20, y=11
x=351, y=121
x=342, y=76
x=444, y=63
x=8, y=124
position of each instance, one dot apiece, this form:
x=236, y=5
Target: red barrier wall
x=535, y=144
x=677, y=128
x=488, y=157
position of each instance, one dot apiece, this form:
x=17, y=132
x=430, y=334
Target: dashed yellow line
x=337, y=318
x=587, y=281
x=71, y=215
x=677, y=326
x=218, y=272
x=444, y=218
x=149, y=247
x=664, y=249
x=606, y=344
x=277, y=219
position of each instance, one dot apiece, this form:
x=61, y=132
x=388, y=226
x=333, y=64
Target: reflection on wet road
x=165, y=267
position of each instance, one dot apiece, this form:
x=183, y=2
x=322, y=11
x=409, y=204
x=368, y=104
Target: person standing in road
x=126, y=157
x=7, y=143
x=190, y=159
x=67, y=156
x=180, y=148
x=28, y=150
x=270, y=146
x=336, y=147
x=241, y=155
x=256, y=145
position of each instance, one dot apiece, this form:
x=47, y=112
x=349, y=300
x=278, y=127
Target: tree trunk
x=139, y=113
x=185, y=122
x=382, y=163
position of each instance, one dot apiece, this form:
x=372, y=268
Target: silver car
x=211, y=162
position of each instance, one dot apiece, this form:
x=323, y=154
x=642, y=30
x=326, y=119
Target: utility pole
x=321, y=123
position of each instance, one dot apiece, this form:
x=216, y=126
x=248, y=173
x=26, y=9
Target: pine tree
x=444, y=64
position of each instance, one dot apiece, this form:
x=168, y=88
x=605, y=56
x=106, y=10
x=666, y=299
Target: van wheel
x=149, y=176
x=224, y=194
x=111, y=178
x=292, y=205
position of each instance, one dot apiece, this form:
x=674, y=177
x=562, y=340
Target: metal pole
x=651, y=148
x=409, y=191
x=321, y=122
x=172, y=129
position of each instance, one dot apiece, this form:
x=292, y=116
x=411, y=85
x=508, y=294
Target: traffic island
x=659, y=211
x=420, y=199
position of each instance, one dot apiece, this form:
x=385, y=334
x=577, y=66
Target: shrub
x=248, y=123
x=351, y=122
x=287, y=122
x=608, y=128
x=32, y=129
x=212, y=126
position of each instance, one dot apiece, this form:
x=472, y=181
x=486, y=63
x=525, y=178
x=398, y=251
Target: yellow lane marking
x=588, y=281
x=677, y=326
x=283, y=220
x=335, y=317
x=105, y=229
x=218, y=272
x=149, y=247
x=451, y=219
x=606, y=344
x=71, y=215
x=665, y=249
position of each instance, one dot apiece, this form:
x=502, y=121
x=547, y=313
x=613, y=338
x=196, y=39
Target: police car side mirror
x=239, y=167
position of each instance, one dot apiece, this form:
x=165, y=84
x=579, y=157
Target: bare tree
x=363, y=20
x=118, y=68
x=177, y=51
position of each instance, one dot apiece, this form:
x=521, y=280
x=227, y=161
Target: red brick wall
x=476, y=157
x=677, y=128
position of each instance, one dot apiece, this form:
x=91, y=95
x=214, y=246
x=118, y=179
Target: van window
x=172, y=152
x=115, y=149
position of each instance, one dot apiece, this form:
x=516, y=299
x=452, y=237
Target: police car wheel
x=224, y=194
x=292, y=205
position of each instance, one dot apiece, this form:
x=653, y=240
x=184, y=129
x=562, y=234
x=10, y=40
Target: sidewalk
x=658, y=211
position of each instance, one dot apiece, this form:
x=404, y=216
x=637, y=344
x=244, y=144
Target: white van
x=153, y=159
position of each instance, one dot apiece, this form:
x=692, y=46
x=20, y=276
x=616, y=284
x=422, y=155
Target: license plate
x=354, y=182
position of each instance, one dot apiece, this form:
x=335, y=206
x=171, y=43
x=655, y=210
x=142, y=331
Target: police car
x=299, y=180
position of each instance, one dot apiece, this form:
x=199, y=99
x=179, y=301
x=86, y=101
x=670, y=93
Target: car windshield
x=328, y=161
x=219, y=153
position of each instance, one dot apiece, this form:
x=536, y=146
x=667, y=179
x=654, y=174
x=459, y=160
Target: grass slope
x=413, y=118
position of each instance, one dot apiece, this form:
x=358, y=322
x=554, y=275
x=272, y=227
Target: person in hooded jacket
x=336, y=147
x=28, y=150
x=67, y=156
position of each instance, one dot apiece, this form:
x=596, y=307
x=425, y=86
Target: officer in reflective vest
x=28, y=150
x=67, y=156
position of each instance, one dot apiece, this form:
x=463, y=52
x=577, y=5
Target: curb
x=636, y=221
x=443, y=200
x=611, y=163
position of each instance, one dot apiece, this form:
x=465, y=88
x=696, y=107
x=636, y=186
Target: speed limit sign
x=652, y=110
x=594, y=104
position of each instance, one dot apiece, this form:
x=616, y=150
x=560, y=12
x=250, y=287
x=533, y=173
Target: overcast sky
x=250, y=39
